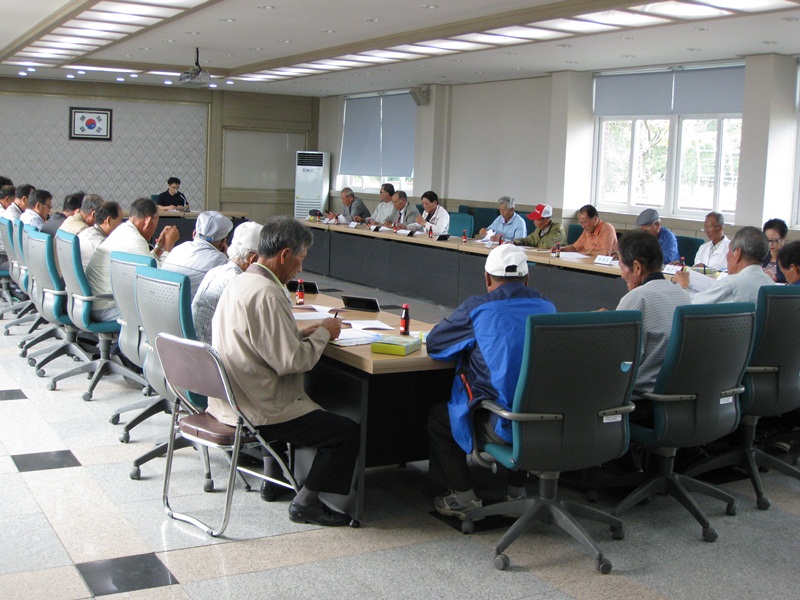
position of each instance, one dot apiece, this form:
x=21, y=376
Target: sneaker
x=448, y=505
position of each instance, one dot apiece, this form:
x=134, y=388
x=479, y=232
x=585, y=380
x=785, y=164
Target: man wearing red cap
x=547, y=233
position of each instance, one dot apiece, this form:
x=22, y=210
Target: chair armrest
x=762, y=370
x=93, y=298
x=54, y=292
x=667, y=397
x=512, y=416
x=616, y=410
x=739, y=389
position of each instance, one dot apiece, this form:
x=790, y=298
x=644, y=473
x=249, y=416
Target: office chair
x=688, y=247
x=131, y=339
x=79, y=308
x=25, y=310
x=561, y=422
x=460, y=222
x=484, y=217
x=192, y=366
x=574, y=231
x=771, y=385
x=694, y=400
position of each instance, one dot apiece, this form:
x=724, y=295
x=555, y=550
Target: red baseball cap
x=542, y=211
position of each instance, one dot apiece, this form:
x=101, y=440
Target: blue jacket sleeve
x=452, y=335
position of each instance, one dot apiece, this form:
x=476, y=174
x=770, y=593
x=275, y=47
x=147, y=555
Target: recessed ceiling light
x=428, y=6
x=372, y=20
x=81, y=72
x=70, y=76
x=564, y=45
x=327, y=31
x=628, y=56
x=126, y=55
x=23, y=73
x=285, y=41
x=265, y=7
x=229, y=82
x=629, y=37
x=212, y=85
x=167, y=82
x=168, y=41
x=144, y=49
x=31, y=70
x=120, y=79
x=228, y=20
x=693, y=49
x=133, y=76
x=256, y=49
x=192, y=32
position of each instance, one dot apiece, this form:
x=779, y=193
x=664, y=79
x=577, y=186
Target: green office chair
x=484, y=217
x=574, y=231
x=460, y=222
x=694, y=400
x=688, y=247
x=772, y=385
x=563, y=423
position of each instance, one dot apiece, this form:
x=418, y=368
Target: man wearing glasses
x=714, y=253
x=39, y=205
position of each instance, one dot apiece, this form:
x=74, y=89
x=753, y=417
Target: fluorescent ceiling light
x=68, y=45
x=486, y=38
x=364, y=59
x=752, y=5
x=390, y=54
x=297, y=71
x=421, y=49
x=623, y=19
x=97, y=26
x=164, y=73
x=574, y=26
x=88, y=33
x=175, y=3
x=137, y=9
x=454, y=45
x=322, y=66
x=339, y=63
x=529, y=33
x=101, y=69
x=69, y=39
x=106, y=17
x=26, y=63
x=681, y=10
x=48, y=53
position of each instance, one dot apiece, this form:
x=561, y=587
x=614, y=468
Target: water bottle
x=557, y=253
x=464, y=237
x=405, y=321
x=300, y=295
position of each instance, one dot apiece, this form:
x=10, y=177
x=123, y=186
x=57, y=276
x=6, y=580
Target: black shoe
x=317, y=514
x=272, y=491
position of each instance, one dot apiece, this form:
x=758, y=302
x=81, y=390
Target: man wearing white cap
x=547, y=234
x=650, y=221
x=205, y=251
x=242, y=252
x=485, y=336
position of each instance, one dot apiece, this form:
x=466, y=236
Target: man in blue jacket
x=485, y=337
x=650, y=221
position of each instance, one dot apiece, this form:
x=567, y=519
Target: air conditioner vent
x=310, y=159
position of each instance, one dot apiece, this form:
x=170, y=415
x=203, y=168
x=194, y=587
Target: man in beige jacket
x=265, y=355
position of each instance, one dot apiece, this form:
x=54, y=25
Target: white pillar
x=432, y=143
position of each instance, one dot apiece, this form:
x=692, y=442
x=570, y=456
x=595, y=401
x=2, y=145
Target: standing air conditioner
x=311, y=183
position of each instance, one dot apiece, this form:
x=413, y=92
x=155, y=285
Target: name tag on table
x=603, y=260
x=353, y=225
x=671, y=269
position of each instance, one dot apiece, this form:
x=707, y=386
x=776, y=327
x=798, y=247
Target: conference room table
x=388, y=395
x=449, y=271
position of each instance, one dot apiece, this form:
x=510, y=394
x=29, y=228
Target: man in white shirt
x=745, y=275
x=20, y=203
x=106, y=219
x=433, y=217
x=205, y=251
x=385, y=206
x=132, y=236
x=714, y=253
x=39, y=206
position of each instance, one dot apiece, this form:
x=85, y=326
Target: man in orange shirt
x=598, y=237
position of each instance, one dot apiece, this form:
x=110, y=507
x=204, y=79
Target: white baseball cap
x=507, y=261
x=212, y=226
x=246, y=236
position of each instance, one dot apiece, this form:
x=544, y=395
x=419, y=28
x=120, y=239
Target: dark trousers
x=336, y=439
x=448, y=462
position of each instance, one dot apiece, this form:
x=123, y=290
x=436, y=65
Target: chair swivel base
x=148, y=406
x=547, y=508
x=98, y=369
x=666, y=481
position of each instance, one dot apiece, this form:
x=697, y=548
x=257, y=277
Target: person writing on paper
x=403, y=214
x=353, y=208
x=385, y=206
x=485, y=336
x=266, y=357
x=747, y=251
x=509, y=225
x=650, y=221
x=775, y=230
x=714, y=253
x=789, y=260
x=547, y=234
x=172, y=198
x=598, y=238
x=433, y=217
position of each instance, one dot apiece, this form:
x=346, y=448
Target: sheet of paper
x=406, y=232
x=488, y=238
x=307, y=315
x=354, y=337
x=699, y=282
x=671, y=269
x=384, y=229
x=362, y=324
x=572, y=255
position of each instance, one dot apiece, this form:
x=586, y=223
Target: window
x=372, y=185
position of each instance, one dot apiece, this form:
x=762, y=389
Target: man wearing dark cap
x=547, y=233
x=650, y=221
x=485, y=336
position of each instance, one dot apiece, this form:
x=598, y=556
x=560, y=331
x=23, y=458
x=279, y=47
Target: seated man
x=547, y=234
x=20, y=204
x=385, y=207
x=106, y=219
x=789, y=260
x=85, y=217
x=650, y=221
x=266, y=355
x=485, y=335
x=745, y=275
x=205, y=251
x=132, y=236
x=39, y=205
x=353, y=209
x=509, y=225
x=403, y=213
x=714, y=253
x=7, y=194
x=434, y=216
x=172, y=198
x=72, y=204
x=242, y=252
x=598, y=238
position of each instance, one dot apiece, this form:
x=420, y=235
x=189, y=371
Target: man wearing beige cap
x=650, y=221
x=205, y=251
x=547, y=234
x=485, y=336
x=242, y=252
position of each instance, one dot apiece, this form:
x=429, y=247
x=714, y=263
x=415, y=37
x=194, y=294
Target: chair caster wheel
x=23, y=354
x=86, y=396
x=709, y=534
x=125, y=437
x=763, y=503
x=208, y=485
x=21, y=345
x=618, y=533
x=31, y=362
x=6, y=332
x=114, y=419
x=501, y=562
x=604, y=566
x=51, y=385
x=731, y=509
x=467, y=527
x=136, y=473
x=40, y=373
x=355, y=524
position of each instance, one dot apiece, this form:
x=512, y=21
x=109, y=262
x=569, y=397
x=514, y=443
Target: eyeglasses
x=778, y=241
